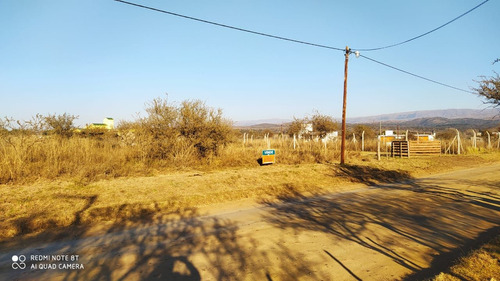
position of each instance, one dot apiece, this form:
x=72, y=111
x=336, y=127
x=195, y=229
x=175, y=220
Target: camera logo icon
x=18, y=262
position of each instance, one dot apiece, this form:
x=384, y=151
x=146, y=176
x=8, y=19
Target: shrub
x=447, y=134
x=157, y=133
x=61, y=125
x=369, y=131
x=171, y=131
x=323, y=124
x=295, y=127
x=203, y=127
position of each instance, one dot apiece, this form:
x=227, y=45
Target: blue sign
x=269, y=152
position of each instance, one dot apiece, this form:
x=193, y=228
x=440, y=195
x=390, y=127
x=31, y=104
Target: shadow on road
x=343, y=266
x=371, y=175
x=394, y=219
x=150, y=247
x=140, y=244
x=420, y=219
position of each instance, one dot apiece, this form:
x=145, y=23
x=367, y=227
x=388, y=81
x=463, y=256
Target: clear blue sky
x=104, y=58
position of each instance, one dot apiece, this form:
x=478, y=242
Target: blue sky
x=104, y=58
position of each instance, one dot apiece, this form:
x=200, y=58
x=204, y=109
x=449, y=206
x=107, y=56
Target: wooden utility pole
x=342, y=144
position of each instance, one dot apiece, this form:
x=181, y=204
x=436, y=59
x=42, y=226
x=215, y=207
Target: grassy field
x=86, y=159
x=56, y=185
x=67, y=206
x=51, y=204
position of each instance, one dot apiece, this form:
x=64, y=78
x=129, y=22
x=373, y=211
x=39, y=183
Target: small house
x=108, y=124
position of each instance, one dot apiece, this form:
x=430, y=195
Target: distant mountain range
x=486, y=114
x=437, y=119
x=273, y=122
x=444, y=123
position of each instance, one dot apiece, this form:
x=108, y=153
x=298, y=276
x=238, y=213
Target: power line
x=232, y=27
x=314, y=44
x=426, y=33
x=415, y=75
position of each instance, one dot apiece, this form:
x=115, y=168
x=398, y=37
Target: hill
x=461, y=119
x=444, y=123
x=445, y=113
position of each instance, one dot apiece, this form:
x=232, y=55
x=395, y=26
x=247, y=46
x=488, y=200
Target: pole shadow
x=394, y=218
x=141, y=244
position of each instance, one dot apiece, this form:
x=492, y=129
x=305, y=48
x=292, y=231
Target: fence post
x=386, y=152
x=378, y=149
x=458, y=142
x=400, y=149
x=489, y=140
x=475, y=139
x=409, y=149
x=363, y=141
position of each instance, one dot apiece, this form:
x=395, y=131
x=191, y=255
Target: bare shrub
x=203, y=127
x=323, y=124
x=489, y=89
x=296, y=126
x=18, y=142
x=61, y=125
x=157, y=133
x=369, y=131
x=186, y=133
x=447, y=134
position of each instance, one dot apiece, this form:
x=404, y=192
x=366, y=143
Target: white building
x=109, y=122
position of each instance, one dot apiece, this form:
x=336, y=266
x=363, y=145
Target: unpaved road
x=399, y=231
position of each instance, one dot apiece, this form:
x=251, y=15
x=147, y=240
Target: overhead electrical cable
x=424, y=34
x=314, y=44
x=415, y=75
x=232, y=27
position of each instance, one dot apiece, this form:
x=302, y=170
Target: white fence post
x=489, y=140
x=363, y=141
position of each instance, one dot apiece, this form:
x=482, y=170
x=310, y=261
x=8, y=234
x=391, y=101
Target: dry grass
x=481, y=264
x=26, y=157
x=52, y=181
x=86, y=159
x=30, y=158
x=35, y=207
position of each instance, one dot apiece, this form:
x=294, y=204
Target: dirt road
x=397, y=231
